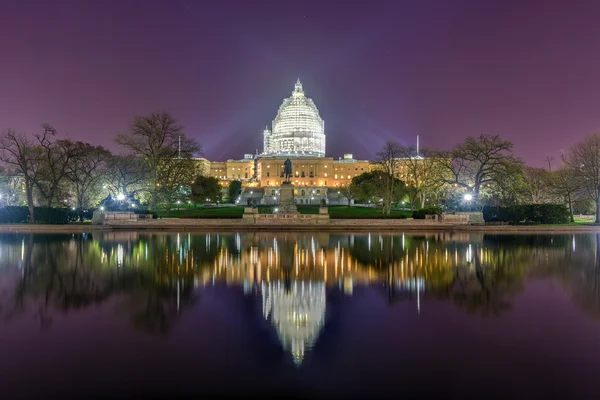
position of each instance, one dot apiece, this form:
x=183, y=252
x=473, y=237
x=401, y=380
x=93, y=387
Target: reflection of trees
x=67, y=272
x=480, y=278
x=577, y=266
x=487, y=288
x=151, y=277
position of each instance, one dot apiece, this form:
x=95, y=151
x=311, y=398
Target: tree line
x=156, y=166
x=477, y=172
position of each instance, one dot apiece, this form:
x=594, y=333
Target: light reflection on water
x=156, y=281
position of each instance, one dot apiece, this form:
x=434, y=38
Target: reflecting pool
x=325, y=315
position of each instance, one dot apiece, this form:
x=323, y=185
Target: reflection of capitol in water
x=292, y=272
x=297, y=313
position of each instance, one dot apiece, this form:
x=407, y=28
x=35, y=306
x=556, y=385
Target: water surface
x=307, y=314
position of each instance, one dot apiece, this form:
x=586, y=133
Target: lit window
x=336, y=176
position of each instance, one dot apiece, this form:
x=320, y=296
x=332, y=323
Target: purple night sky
x=527, y=70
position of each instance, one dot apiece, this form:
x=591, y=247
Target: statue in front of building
x=287, y=170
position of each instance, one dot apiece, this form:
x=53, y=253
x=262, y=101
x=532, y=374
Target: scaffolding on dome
x=297, y=130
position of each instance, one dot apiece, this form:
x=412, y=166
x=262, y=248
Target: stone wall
x=473, y=218
x=112, y=217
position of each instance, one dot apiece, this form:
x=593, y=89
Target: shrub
x=43, y=215
x=14, y=215
x=422, y=212
x=374, y=216
x=527, y=214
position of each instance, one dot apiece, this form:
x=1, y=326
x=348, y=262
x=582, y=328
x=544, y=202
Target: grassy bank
x=337, y=212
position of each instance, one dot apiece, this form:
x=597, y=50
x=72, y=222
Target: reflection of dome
x=298, y=315
x=297, y=129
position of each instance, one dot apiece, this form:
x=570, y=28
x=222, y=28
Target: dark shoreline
x=339, y=226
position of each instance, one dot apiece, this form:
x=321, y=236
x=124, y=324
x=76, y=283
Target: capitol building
x=297, y=133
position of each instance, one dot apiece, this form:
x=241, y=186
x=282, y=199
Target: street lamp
x=120, y=197
x=468, y=197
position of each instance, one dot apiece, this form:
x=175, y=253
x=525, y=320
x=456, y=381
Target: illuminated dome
x=298, y=129
x=297, y=315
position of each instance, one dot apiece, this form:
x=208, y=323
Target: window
x=303, y=174
x=246, y=175
x=348, y=176
x=318, y=192
x=336, y=176
x=325, y=174
x=303, y=192
x=268, y=173
x=272, y=192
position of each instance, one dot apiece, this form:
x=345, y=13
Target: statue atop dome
x=298, y=87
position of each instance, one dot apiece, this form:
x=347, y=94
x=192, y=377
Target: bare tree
x=85, y=171
x=584, y=160
x=563, y=184
x=422, y=173
x=549, y=160
x=127, y=175
x=25, y=160
x=480, y=162
x=176, y=177
x=57, y=154
x=537, y=180
x=157, y=138
x=348, y=192
x=388, y=158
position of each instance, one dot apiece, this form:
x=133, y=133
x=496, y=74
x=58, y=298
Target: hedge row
x=527, y=214
x=43, y=215
x=422, y=212
x=373, y=216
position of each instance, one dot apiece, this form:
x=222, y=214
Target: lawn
x=342, y=212
x=237, y=212
x=205, y=212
